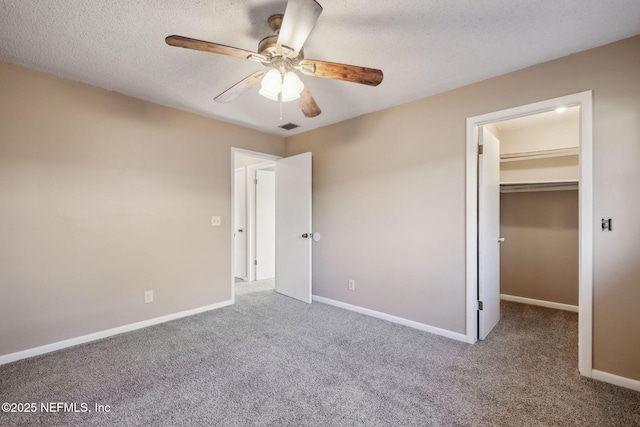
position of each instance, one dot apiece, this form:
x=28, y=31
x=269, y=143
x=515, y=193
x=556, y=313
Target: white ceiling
x=423, y=47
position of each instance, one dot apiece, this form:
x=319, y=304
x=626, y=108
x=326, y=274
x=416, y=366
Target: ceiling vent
x=289, y=126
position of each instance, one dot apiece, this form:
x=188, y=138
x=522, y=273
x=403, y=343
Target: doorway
x=539, y=191
x=475, y=305
x=292, y=233
x=253, y=230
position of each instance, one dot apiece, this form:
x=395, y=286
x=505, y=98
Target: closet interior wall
x=539, y=209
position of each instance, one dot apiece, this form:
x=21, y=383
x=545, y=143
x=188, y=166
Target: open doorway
x=293, y=227
x=483, y=300
x=539, y=191
x=254, y=222
x=528, y=178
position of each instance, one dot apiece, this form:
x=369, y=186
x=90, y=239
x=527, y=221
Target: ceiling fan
x=282, y=53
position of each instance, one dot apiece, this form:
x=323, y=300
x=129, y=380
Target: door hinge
x=255, y=262
x=480, y=149
x=480, y=305
x=256, y=181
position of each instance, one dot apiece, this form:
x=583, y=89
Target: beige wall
x=563, y=168
x=565, y=134
x=389, y=198
x=102, y=197
x=539, y=257
x=545, y=137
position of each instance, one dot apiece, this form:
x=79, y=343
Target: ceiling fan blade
x=299, y=19
x=307, y=104
x=348, y=73
x=204, y=46
x=241, y=87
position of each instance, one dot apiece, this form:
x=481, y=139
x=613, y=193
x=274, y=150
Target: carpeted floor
x=272, y=361
x=243, y=288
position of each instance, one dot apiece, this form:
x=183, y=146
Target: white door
x=239, y=224
x=265, y=224
x=293, y=219
x=488, y=232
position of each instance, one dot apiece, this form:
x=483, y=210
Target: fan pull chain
x=280, y=97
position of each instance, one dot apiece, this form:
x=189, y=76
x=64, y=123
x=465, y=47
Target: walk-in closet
x=539, y=189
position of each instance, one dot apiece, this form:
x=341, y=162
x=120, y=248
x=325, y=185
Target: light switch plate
x=216, y=221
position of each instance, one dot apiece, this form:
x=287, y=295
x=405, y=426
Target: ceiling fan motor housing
x=268, y=46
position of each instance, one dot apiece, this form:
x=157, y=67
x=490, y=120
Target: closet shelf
x=520, y=187
x=540, y=154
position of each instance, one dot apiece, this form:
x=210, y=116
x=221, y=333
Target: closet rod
x=521, y=187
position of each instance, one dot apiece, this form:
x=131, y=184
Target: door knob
x=240, y=230
x=315, y=236
x=500, y=239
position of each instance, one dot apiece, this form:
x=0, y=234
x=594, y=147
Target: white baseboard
x=12, y=357
x=541, y=303
x=615, y=380
x=393, y=319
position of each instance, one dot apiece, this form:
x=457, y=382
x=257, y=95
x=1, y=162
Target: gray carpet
x=243, y=288
x=272, y=361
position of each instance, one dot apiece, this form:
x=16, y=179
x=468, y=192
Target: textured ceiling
x=423, y=47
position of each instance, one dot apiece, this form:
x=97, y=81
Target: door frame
x=489, y=246
x=234, y=227
x=257, y=154
x=585, y=209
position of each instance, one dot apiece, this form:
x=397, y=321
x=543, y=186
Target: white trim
x=585, y=256
x=559, y=181
x=615, y=380
x=585, y=320
x=540, y=154
x=251, y=153
x=246, y=276
x=539, y=302
x=471, y=213
x=393, y=319
x=12, y=357
x=522, y=187
x=240, y=151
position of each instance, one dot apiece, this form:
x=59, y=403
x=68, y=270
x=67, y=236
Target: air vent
x=289, y=126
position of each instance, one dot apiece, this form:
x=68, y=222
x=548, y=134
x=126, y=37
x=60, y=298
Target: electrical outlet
x=216, y=221
x=148, y=297
x=352, y=285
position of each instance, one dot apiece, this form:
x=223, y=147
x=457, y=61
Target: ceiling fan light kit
x=271, y=84
x=289, y=87
x=292, y=86
x=283, y=53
